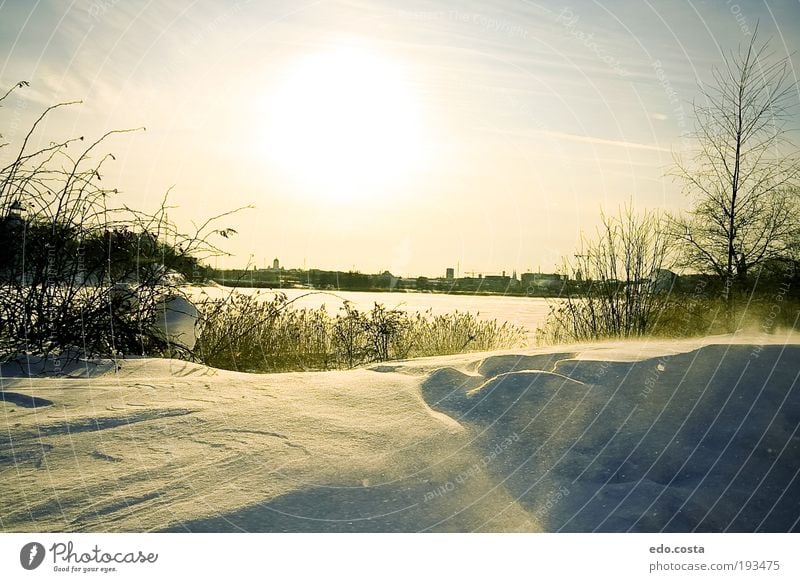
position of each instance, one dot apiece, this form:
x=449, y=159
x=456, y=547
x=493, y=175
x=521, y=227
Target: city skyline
x=270, y=265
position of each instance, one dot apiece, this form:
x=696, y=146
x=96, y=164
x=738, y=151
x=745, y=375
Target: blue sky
x=530, y=116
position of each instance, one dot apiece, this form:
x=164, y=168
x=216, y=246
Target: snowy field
x=638, y=436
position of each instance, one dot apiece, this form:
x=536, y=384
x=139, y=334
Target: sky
x=378, y=135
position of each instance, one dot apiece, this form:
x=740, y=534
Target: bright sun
x=345, y=124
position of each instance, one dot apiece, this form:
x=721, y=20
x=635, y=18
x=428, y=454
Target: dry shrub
x=251, y=333
x=619, y=288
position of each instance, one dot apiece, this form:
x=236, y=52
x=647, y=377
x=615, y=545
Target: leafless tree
x=742, y=178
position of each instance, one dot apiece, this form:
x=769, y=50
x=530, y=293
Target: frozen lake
x=529, y=312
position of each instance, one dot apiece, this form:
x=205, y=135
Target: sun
x=345, y=124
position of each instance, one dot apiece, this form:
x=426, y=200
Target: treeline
x=529, y=284
x=314, y=278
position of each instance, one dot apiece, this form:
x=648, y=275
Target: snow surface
x=690, y=435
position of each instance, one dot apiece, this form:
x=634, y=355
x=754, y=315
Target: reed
x=251, y=333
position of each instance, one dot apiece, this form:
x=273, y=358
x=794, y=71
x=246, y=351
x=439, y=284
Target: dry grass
x=682, y=315
x=250, y=333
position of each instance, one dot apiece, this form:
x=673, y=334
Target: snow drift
x=628, y=436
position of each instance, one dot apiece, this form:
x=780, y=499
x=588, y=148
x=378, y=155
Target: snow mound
x=68, y=366
x=446, y=389
x=701, y=441
x=621, y=436
x=496, y=365
x=514, y=391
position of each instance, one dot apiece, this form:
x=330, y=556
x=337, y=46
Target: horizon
x=409, y=275
x=478, y=136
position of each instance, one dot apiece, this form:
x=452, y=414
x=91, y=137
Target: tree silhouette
x=743, y=176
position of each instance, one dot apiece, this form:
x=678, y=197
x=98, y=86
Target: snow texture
x=628, y=436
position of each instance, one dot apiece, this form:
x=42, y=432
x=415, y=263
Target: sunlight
x=345, y=125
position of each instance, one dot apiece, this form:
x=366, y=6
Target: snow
x=689, y=435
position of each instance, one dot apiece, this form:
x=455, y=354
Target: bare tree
x=743, y=176
x=621, y=282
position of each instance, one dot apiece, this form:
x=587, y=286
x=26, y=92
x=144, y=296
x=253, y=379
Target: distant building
x=497, y=278
x=498, y=283
x=450, y=274
x=527, y=279
x=276, y=264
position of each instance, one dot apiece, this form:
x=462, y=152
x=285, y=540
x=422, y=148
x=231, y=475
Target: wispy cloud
x=572, y=137
x=603, y=141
